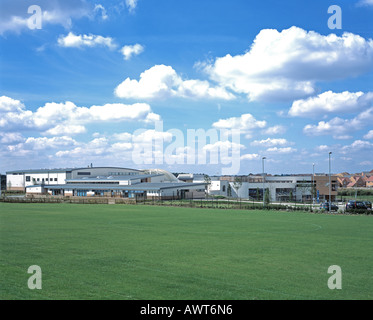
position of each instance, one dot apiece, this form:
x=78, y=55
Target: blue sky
x=78, y=90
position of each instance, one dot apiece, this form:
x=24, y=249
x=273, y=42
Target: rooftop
x=64, y=170
x=140, y=186
x=113, y=178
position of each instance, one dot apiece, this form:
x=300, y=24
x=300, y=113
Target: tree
x=237, y=184
x=305, y=187
x=208, y=182
x=229, y=190
x=291, y=195
x=314, y=192
x=267, y=198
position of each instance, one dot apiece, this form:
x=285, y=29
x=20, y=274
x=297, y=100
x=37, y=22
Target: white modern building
x=103, y=182
x=281, y=188
x=20, y=179
x=219, y=187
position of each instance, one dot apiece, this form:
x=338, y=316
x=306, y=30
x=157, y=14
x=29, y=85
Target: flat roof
x=41, y=170
x=66, y=170
x=139, y=186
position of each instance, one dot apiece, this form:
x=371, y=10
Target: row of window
x=93, y=182
x=83, y=173
x=123, y=173
x=28, y=179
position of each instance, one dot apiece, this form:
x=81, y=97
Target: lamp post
x=263, y=179
x=330, y=186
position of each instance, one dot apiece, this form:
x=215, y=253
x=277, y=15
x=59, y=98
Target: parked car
x=354, y=204
x=368, y=204
x=325, y=206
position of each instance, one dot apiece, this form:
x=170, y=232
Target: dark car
x=325, y=206
x=354, y=204
x=368, y=204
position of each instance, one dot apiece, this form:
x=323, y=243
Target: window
x=84, y=173
x=55, y=179
x=81, y=193
x=28, y=178
x=46, y=179
x=223, y=188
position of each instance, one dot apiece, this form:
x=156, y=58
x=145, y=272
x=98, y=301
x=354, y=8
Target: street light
x=263, y=178
x=330, y=186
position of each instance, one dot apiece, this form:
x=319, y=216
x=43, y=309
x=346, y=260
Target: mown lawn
x=151, y=252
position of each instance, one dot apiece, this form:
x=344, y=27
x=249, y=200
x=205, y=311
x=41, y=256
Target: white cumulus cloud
x=357, y=145
x=65, y=130
x=245, y=123
x=131, y=5
x=286, y=65
x=129, y=51
x=161, y=82
x=286, y=150
x=275, y=130
x=271, y=142
x=250, y=156
x=340, y=128
x=330, y=102
x=10, y=137
x=369, y=135
x=78, y=41
x=221, y=145
x=67, y=118
x=100, y=8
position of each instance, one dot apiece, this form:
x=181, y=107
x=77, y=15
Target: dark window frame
x=83, y=173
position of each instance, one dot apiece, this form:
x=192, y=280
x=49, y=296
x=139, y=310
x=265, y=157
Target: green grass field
x=151, y=253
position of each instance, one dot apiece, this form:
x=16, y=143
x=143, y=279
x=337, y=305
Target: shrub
x=358, y=211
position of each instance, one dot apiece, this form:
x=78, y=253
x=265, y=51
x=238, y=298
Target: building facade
x=2, y=182
x=281, y=188
x=20, y=179
x=104, y=182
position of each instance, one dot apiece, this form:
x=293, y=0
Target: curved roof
x=169, y=177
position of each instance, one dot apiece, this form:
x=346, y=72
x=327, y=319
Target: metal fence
x=211, y=203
